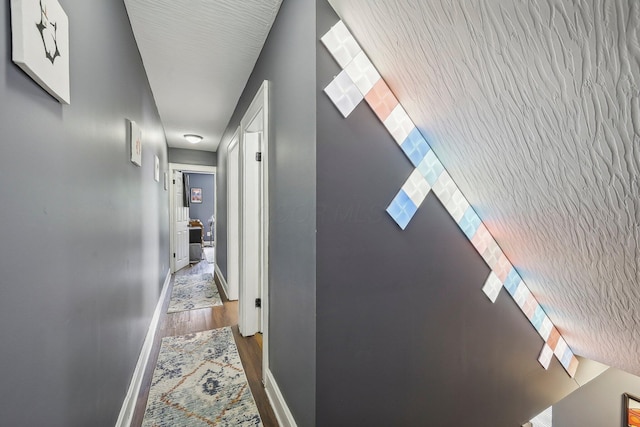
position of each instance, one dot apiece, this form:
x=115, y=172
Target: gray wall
x=84, y=232
x=405, y=336
x=193, y=157
x=598, y=403
x=288, y=61
x=204, y=210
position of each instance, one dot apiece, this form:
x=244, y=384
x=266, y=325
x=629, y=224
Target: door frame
x=187, y=168
x=233, y=215
x=260, y=104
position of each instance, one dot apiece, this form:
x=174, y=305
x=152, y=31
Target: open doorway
x=201, y=188
x=202, y=203
x=192, y=198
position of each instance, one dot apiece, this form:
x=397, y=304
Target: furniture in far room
x=196, y=239
x=211, y=222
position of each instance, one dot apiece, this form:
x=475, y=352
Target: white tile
x=431, y=167
x=457, y=205
x=492, y=287
x=561, y=347
x=344, y=94
x=545, y=356
x=492, y=254
x=545, y=329
x=416, y=187
x=341, y=44
x=522, y=293
x=399, y=124
x=363, y=73
x=444, y=187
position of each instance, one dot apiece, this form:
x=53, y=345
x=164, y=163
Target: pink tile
x=381, y=100
x=530, y=307
x=554, y=336
x=481, y=239
x=573, y=366
x=491, y=255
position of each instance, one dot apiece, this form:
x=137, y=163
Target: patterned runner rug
x=191, y=292
x=199, y=381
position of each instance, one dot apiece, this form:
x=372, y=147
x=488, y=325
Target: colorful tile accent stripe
x=360, y=80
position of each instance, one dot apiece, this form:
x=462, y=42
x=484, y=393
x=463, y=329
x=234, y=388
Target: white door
x=181, y=226
x=250, y=233
x=233, y=219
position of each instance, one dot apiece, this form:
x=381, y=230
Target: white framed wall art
x=40, y=44
x=135, y=142
x=156, y=169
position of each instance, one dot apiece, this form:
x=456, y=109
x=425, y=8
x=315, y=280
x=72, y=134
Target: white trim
x=265, y=230
x=192, y=168
x=223, y=282
x=279, y=405
x=172, y=225
x=129, y=404
x=233, y=216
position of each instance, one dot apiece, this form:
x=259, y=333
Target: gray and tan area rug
x=192, y=292
x=199, y=381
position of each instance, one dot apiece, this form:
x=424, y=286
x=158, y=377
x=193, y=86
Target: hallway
x=198, y=320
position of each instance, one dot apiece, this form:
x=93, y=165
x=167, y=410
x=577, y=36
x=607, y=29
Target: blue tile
x=402, y=209
x=415, y=147
x=538, y=317
x=469, y=223
x=430, y=167
x=566, y=358
x=513, y=279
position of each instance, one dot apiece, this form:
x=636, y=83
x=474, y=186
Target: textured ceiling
x=534, y=109
x=198, y=55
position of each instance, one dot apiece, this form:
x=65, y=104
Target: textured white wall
x=534, y=108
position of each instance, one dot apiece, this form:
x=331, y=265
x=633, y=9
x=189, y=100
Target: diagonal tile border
x=361, y=76
x=344, y=94
x=363, y=73
x=402, y=209
x=492, y=287
x=399, y=124
x=381, y=100
x=416, y=188
x=341, y=44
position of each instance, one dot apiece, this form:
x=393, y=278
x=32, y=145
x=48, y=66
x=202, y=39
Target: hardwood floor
x=185, y=322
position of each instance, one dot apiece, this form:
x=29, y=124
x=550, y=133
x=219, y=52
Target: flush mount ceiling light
x=192, y=138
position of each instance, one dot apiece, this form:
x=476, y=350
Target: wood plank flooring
x=186, y=322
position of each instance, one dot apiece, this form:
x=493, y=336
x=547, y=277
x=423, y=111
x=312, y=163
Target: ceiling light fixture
x=192, y=138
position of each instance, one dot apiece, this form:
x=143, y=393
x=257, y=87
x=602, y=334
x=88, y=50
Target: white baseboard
x=280, y=408
x=223, y=282
x=129, y=404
